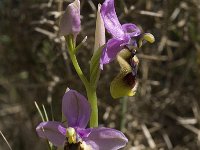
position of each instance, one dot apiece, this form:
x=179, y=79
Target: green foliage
x=95, y=66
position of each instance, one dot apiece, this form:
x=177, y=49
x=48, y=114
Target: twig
x=152, y=57
x=162, y=43
x=167, y=141
x=107, y=113
x=50, y=88
x=45, y=32
x=150, y=13
x=92, y=5
x=196, y=110
x=124, y=6
x=175, y=14
x=148, y=136
x=187, y=126
x=44, y=21
x=191, y=128
x=10, y=110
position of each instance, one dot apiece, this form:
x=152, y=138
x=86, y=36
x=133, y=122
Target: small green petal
x=149, y=37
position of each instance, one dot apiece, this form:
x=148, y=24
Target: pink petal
x=111, y=21
x=109, y=53
x=49, y=130
x=106, y=139
x=76, y=109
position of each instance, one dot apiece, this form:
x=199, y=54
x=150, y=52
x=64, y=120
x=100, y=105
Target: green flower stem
x=124, y=101
x=90, y=89
x=92, y=97
x=78, y=69
x=71, y=48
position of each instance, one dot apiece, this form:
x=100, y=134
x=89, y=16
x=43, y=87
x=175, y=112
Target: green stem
x=78, y=69
x=124, y=101
x=92, y=97
x=71, y=48
x=90, y=89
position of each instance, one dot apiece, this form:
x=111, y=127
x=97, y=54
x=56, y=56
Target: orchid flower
x=74, y=134
x=123, y=36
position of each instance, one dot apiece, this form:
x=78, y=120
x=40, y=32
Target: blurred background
x=34, y=66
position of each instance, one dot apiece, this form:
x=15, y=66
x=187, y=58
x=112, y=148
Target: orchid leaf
x=95, y=66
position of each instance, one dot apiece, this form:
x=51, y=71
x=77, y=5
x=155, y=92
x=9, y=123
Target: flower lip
x=130, y=79
x=75, y=146
x=125, y=83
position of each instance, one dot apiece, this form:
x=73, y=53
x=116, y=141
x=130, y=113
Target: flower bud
x=100, y=38
x=70, y=22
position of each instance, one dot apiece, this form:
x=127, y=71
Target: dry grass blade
x=39, y=111
x=167, y=141
x=148, y=136
x=5, y=140
x=149, y=13
x=45, y=32
x=153, y=57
